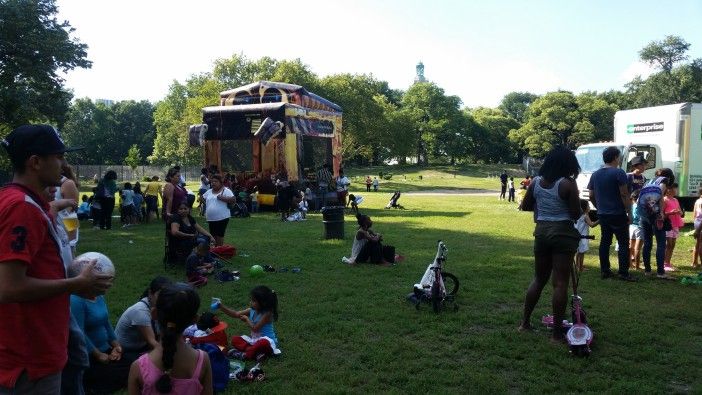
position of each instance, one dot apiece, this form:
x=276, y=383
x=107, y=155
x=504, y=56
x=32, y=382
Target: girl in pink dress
x=174, y=367
x=671, y=209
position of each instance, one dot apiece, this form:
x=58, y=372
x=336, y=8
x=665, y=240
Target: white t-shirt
x=215, y=209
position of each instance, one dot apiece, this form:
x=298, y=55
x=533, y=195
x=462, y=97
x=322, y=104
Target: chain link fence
x=126, y=173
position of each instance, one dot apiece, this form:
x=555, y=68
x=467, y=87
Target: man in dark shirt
x=609, y=192
x=503, y=187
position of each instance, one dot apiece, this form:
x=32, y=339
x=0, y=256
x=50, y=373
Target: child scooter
x=579, y=335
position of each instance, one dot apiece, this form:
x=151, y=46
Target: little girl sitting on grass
x=259, y=318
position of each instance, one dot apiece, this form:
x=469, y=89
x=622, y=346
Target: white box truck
x=666, y=136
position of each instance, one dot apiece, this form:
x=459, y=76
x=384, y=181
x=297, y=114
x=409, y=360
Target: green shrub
x=387, y=176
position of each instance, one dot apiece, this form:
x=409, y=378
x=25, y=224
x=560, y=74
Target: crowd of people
x=56, y=336
x=630, y=208
x=147, y=351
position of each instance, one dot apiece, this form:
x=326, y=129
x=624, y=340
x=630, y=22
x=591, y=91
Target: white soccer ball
x=103, y=265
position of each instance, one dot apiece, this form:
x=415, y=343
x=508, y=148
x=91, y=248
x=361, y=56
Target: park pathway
x=450, y=192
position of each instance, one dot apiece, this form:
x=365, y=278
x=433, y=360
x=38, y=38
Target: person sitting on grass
x=554, y=196
x=199, y=264
x=84, y=208
x=135, y=330
x=173, y=367
x=259, y=317
x=185, y=232
x=367, y=246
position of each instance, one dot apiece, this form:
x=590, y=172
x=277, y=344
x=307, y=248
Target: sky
x=477, y=50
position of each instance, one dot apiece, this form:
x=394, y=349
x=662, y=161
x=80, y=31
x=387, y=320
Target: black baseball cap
x=637, y=160
x=35, y=139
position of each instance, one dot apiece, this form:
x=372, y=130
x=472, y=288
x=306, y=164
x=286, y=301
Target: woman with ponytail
x=173, y=367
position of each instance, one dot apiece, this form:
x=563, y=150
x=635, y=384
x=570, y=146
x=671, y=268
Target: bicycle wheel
x=450, y=283
x=436, y=297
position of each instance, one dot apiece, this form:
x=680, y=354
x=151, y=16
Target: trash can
x=333, y=219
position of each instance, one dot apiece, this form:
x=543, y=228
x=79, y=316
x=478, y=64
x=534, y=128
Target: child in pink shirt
x=672, y=211
x=173, y=367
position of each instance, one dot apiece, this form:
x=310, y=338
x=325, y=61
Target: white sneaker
x=346, y=260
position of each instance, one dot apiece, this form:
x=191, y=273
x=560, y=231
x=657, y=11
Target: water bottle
x=216, y=302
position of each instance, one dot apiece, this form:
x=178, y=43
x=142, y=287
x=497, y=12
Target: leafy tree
x=133, y=158
x=665, y=53
x=239, y=70
x=181, y=108
x=436, y=111
x=357, y=94
x=134, y=124
x=491, y=143
x=107, y=132
x=35, y=47
x=558, y=118
x=88, y=125
x=515, y=104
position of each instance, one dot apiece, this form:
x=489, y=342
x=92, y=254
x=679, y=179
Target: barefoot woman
x=554, y=198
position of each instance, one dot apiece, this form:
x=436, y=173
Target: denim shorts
x=635, y=232
x=556, y=237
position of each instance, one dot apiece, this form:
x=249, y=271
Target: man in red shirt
x=34, y=290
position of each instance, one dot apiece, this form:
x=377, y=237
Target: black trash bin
x=333, y=219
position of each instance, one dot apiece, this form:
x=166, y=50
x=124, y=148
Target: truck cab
x=590, y=159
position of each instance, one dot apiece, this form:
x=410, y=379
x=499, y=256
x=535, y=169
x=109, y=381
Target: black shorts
x=555, y=237
x=128, y=210
x=217, y=228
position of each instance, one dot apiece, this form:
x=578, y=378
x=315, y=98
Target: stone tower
x=420, y=73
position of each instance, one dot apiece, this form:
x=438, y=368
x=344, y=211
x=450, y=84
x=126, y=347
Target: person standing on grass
x=609, y=192
x=106, y=189
x=672, y=211
x=651, y=220
x=375, y=184
x=173, y=193
x=503, y=184
x=217, y=212
x=554, y=196
x=68, y=190
x=635, y=233
x=151, y=193
x=697, y=226
x=583, y=225
x=34, y=256
x=510, y=187
x=342, y=188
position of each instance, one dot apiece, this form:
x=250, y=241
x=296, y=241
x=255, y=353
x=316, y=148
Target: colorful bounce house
x=266, y=128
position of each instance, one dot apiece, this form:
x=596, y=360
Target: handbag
x=667, y=225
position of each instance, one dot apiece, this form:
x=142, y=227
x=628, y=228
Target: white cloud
x=636, y=68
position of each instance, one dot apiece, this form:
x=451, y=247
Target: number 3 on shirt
x=19, y=242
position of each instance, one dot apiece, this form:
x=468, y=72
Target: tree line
x=379, y=123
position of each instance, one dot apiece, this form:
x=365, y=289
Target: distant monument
x=420, y=73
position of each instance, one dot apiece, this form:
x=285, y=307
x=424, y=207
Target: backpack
x=219, y=364
x=649, y=202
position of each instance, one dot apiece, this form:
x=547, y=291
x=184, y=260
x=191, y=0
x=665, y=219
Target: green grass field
x=350, y=330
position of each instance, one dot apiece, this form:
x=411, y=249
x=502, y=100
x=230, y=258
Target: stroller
x=393, y=201
x=437, y=286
